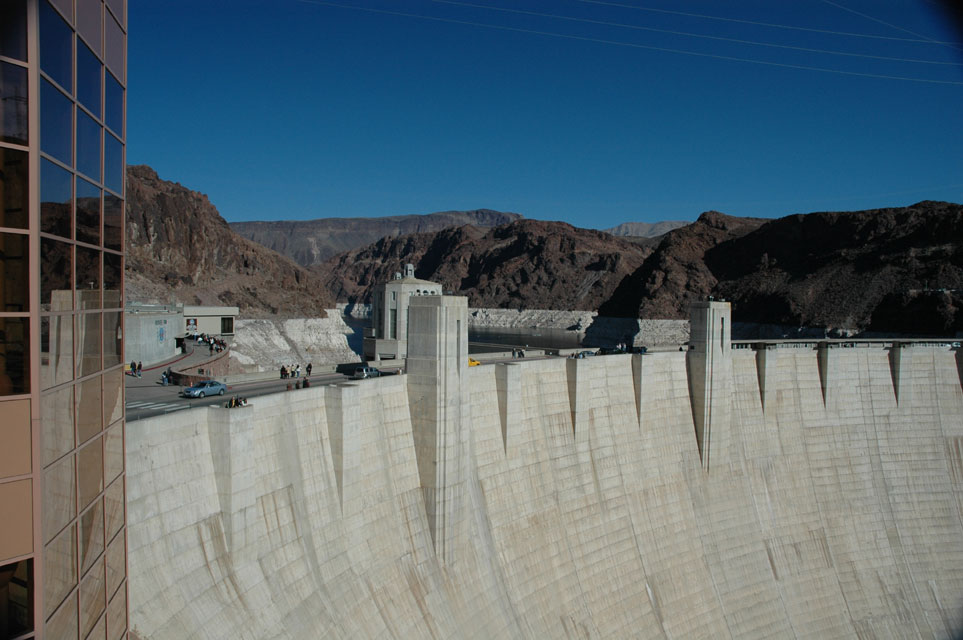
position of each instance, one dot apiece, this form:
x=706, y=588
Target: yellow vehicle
x=473, y=363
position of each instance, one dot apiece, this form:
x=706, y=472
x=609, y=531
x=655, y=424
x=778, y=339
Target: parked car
x=473, y=363
x=204, y=388
x=584, y=354
x=365, y=372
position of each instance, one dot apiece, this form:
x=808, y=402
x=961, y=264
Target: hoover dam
x=791, y=490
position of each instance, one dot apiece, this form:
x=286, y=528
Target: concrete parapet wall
x=589, y=514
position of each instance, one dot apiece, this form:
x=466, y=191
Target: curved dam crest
x=579, y=505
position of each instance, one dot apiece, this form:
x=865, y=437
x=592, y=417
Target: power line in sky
x=783, y=65
x=693, y=35
x=769, y=24
x=952, y=45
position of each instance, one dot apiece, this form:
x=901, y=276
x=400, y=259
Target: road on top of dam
x=147, y=397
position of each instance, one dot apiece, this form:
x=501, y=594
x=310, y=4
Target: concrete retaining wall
x=835, y=510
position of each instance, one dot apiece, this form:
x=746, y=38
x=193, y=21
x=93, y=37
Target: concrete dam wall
x=574, y=500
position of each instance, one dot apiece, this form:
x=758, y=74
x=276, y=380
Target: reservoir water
x=485, y=340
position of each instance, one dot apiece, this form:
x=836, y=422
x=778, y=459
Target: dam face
x=568, y=499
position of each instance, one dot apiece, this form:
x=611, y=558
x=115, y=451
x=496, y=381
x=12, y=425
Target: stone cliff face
x=178, y=246
x=526, y=264
x=309, y=242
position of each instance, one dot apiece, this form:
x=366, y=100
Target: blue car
x=204, y=388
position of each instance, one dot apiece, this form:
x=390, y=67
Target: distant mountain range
x=309, y=242
x=888, y=270
x=646, y=229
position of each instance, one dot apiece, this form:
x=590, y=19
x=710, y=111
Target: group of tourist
x=298, y=384
x=518, y=353
x=167, y=377
x=216, y=345
x=294, y=371
x=235, y=402
x=136, y=369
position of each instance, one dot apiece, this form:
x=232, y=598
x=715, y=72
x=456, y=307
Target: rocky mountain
x=676, y=273
x=645, y=229
x=180, y=248
x=888, y=270
x=309, y=242
x=527, y=263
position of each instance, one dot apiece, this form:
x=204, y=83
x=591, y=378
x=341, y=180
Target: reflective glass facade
x=63, y=548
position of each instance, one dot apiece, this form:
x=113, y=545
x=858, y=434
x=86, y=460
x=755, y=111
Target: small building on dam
x=784, y=489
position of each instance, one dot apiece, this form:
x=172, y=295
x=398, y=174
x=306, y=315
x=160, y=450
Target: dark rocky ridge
x=180, y=249
x=886, y=270
x=309, y=242
x=525, y=264
x=897, y=270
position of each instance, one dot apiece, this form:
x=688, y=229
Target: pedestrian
x=140, y=368
x=133, y=368
x=309, y=369
x=297, y=372
x=307, y=383
x=284, y=372
x=164, y=378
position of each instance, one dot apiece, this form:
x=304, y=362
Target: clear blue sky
x=299, y=109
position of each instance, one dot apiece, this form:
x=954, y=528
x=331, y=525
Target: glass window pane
x=56, y=47
x=114, y=508
x=14, y=356
x=89, y=17
x=56, y=290
x=64, y=623
x=88, y=146
x=114, y=453
x=115, y=47
x=89, y=72
x=113, y=397
x=90, y=420
x=88, y=340
x=13, y=188
x=88, y=279
x=113, y=221
x=59, y=570
x=66, y=8
x=113, y=164
x=90, y=471
x=113, y=292
x=55, y=198
x=13, y=29
x=91, y=534
x=119, y=9
x=88, y=212
x=14, y=272
x=56, y=350
x=116, y=613
x=13, y=103
x=114, y=104
x=57, y=411
x=92, y=598
x=113, y=339
x=59, y=501
x=55, y=123
x=116, y=563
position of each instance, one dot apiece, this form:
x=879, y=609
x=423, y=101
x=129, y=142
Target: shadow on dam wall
x=582, y=506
